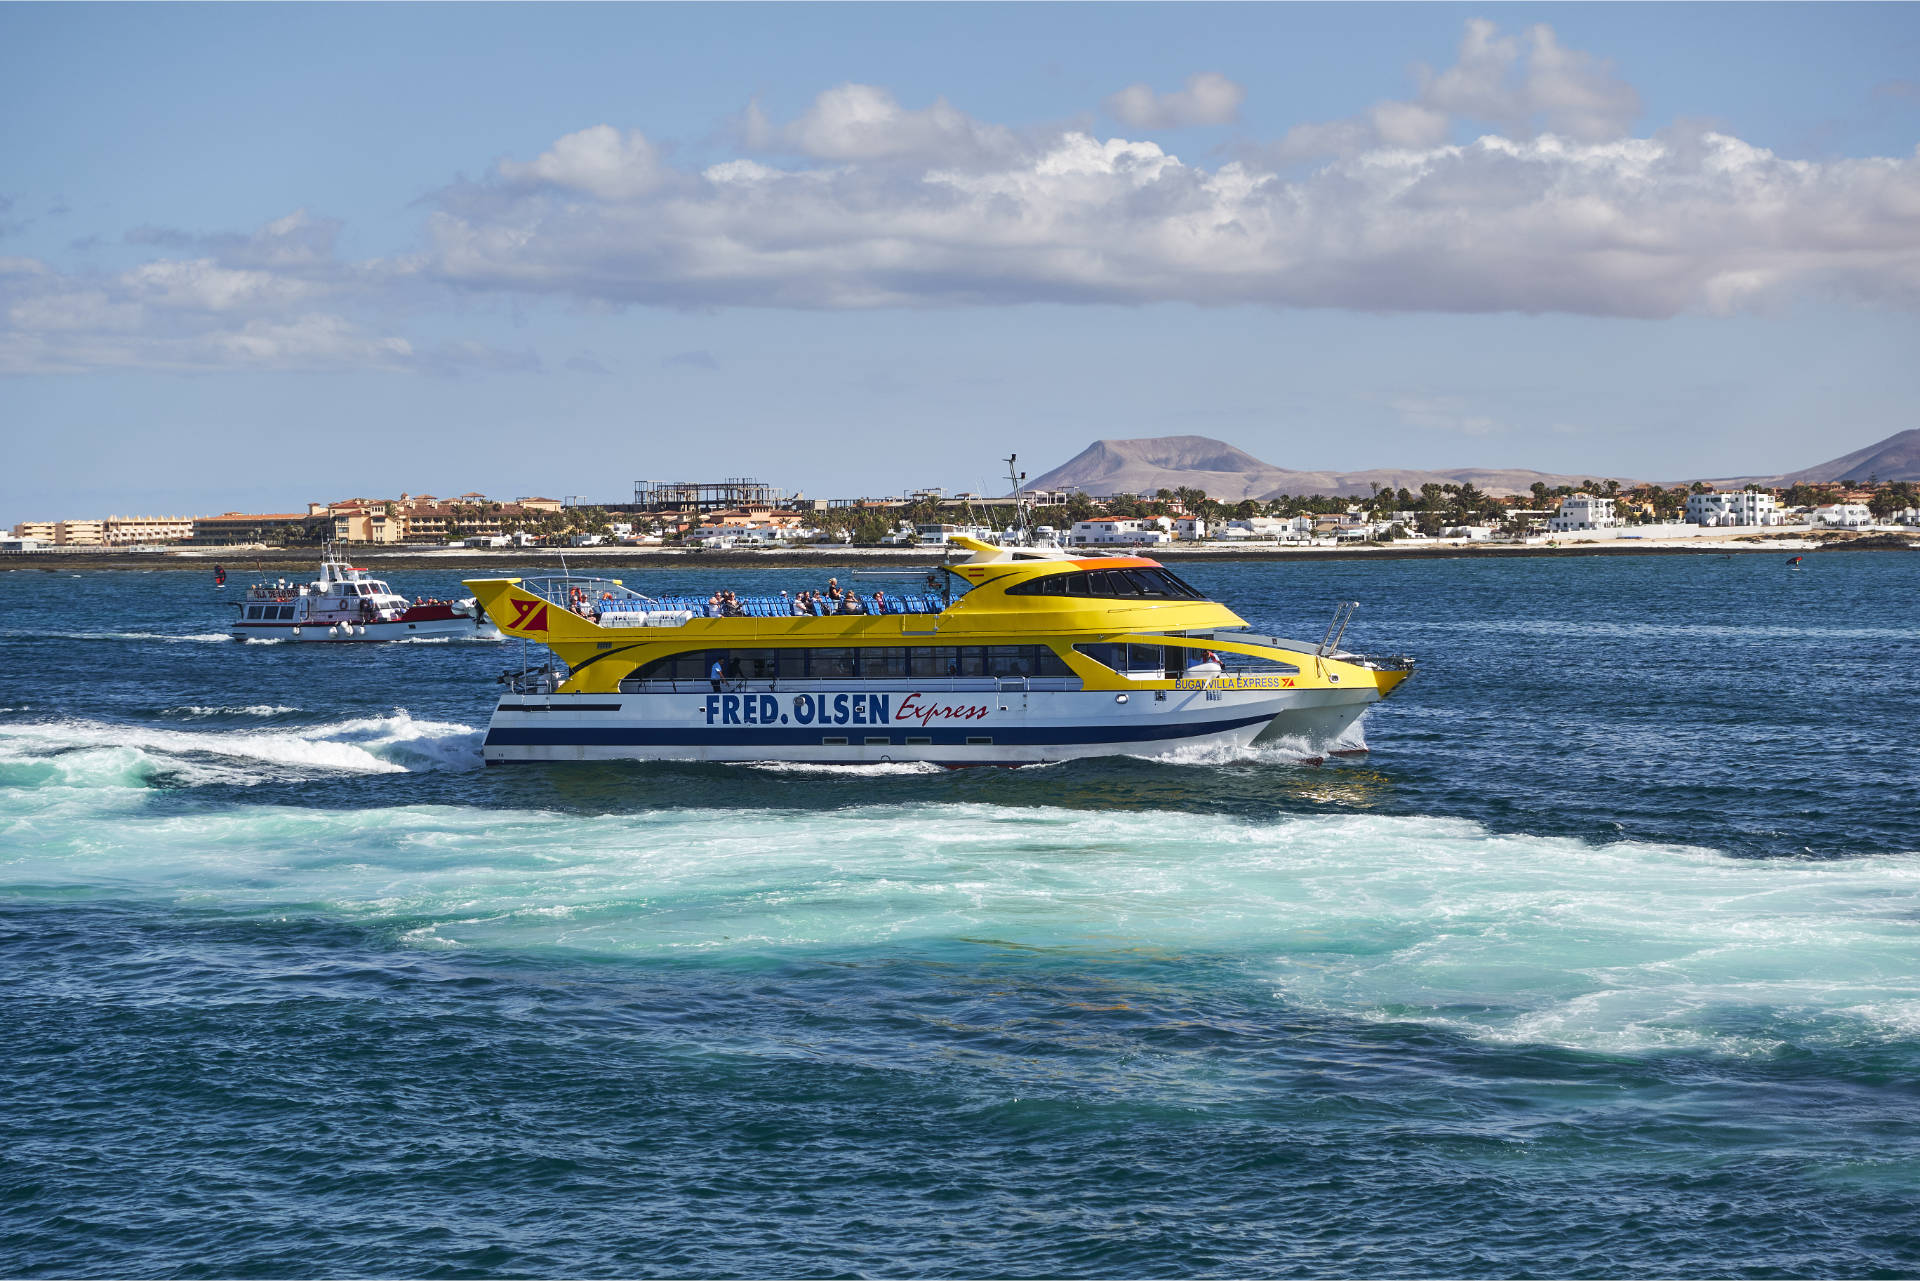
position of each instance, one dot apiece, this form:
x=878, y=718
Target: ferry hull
x=994, y=727
x=336, y=634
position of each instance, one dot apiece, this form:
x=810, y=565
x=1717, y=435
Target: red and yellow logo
x=529, y=615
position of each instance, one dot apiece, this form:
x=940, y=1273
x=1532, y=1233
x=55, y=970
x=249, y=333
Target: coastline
x=243, y=560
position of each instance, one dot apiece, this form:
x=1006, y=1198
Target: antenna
x=1019, y=479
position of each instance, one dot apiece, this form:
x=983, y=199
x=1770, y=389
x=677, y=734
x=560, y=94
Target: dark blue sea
x=1604, y=963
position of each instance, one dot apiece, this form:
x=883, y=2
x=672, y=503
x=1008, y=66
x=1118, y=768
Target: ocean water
x=1604, y=962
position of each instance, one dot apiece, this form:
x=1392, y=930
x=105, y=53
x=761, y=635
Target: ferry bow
x=1014, y=656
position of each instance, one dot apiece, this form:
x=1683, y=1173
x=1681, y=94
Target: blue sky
x=252, y=255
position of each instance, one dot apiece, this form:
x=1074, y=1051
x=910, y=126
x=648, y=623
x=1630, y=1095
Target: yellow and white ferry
x=1015, y=656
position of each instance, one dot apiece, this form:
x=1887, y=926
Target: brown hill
x=1224, y=472
x=1895, y=458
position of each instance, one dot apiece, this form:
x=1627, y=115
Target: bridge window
x=1111, y=584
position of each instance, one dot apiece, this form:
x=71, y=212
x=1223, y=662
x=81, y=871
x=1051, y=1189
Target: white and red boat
x=344, y=604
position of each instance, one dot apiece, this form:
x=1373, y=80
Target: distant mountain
x=1224, y=472
x=1895, y=458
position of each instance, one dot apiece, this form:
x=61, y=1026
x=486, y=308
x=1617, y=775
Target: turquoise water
x=1605, y=962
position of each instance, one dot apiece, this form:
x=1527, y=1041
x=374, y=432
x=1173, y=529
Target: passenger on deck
x=1207, y=665
x=802, y=605
x=833, y=593
x=879, y=601
x=715, y=672
x=850, y=604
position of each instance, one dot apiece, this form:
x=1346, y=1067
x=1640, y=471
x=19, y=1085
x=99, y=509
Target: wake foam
x=392, y=744
x=170, y=638
x=194, y=712
x=1503, y=938
x=875, y=769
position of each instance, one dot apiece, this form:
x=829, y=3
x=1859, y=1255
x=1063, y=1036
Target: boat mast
x=1018, y=480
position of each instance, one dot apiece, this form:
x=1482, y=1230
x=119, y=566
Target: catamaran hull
x=873, y=726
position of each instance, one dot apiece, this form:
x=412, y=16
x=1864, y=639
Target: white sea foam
x=194, y=712
x=875, y=769
x=171, y=638
x=370, y=745
x=1623, y=948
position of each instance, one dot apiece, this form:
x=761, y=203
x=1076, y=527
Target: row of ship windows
x=267, y=613
x=871, y=662
x=897, y=662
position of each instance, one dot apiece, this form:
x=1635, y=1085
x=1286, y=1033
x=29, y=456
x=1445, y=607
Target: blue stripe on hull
x=1002, y=736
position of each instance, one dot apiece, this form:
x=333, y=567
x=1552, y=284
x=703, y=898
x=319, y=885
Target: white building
x=1843, y=515
x=1116, y=531
x=1259, y=527
x=1583, y=511
x=1195, y=527
x=1743, y=508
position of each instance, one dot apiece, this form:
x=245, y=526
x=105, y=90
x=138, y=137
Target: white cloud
x=855, y=122
x=201, y=313
x=1209, y=99
x=929, y=208
x=600, y=161
x=1640, y=227
x=1544, y=87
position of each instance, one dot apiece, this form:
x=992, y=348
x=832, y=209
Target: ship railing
x=601, y=592
x=533, y=680
x=776, y=606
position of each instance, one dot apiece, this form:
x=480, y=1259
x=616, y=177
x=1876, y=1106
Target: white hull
x=331, y=633
x=831, y=723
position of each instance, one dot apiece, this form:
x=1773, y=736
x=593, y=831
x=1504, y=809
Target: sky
x=256, y=255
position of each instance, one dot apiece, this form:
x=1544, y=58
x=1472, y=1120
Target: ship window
x=1129, y=660
x=286, y=611
x=884, y=662
x=837, y=664
x=1110, y=584
x=756, y=664
x=1048, y=663
x=1009, y=660
x=933, y=660
x=253, y=611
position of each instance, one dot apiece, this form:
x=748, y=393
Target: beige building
x=41, y=531
x=422, y=518
x=129, y=531
x=80, y=533
x=231, y=528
